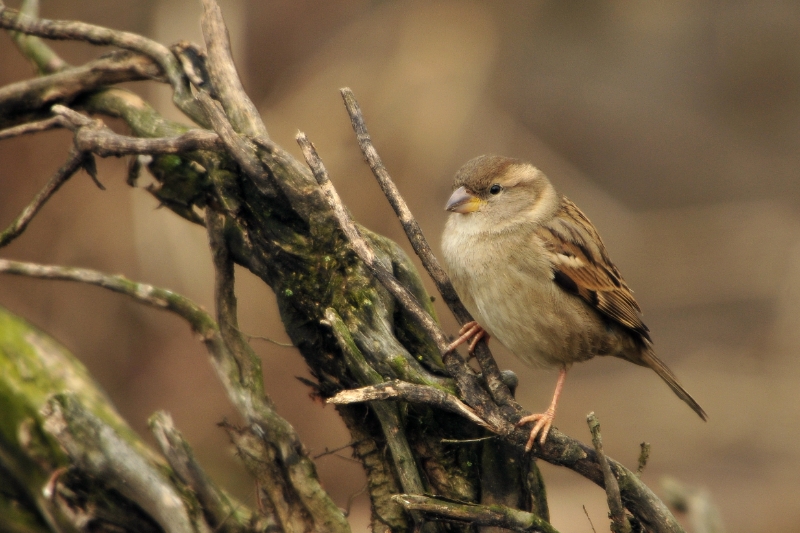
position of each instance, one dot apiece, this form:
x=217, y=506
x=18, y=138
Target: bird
x=534, y=273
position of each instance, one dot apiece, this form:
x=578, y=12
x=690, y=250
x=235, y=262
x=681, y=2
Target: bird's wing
x=581, y=266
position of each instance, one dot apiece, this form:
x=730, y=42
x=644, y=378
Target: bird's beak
x=463, y=202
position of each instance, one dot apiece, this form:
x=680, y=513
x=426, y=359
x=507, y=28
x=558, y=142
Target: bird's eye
x=495, y=189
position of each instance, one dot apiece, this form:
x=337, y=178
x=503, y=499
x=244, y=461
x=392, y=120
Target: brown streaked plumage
x=535, y=274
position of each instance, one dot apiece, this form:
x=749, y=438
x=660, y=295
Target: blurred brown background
x=675, y=126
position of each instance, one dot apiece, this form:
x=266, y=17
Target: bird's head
x=501, y=191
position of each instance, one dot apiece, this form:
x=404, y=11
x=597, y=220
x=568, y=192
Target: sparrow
x=534, y=273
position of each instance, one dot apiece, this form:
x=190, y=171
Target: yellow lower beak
x=463, y=202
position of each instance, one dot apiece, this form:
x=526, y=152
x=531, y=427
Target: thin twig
x=335, y=450
x=353, y=496
x=479, y=515
x=271, y=341
x=410, y=225
x=421, y=247
x=33, y=127
x=467, y=441
x=67, y=170
x=619, y=522
x=589, y=518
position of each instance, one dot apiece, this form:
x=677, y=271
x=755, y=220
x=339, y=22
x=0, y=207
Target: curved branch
x=80, y=31
x=95, y=137
x=25, y=98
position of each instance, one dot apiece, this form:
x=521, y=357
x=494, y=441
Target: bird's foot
x=470, y=330
x=541, y=428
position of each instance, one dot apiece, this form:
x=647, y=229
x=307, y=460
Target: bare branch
x=228, y=88
x=421, y=247
x=106, y=143
x=100, y=451
x=199, y=320
x=73, y=164
x=33, y=127
x=249, y=366
x=244, y=155
x=619, y=522
x=95, y=137
x=222, y=514
x=409, y=392
x=81, y=31
x=34, y=95
x=410, y=225
x=387, y=413
x=41, y=55
x=364, y=250
x=470, y=513
x=272, y=449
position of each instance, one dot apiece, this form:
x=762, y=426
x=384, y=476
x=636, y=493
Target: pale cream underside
x=505, y=280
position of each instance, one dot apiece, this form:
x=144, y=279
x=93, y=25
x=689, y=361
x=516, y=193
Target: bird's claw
x=541, y=428
x=471, y=331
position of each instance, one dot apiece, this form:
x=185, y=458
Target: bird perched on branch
x=534, y=273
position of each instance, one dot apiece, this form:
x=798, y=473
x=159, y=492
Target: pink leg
x=544, y=420
x=470, y=330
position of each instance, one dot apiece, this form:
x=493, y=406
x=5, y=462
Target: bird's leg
x=470, y=330
x=544, y=420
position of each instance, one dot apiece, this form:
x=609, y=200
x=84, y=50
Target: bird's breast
x=506, y=282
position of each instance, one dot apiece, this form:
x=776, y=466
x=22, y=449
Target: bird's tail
x=650, y=359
